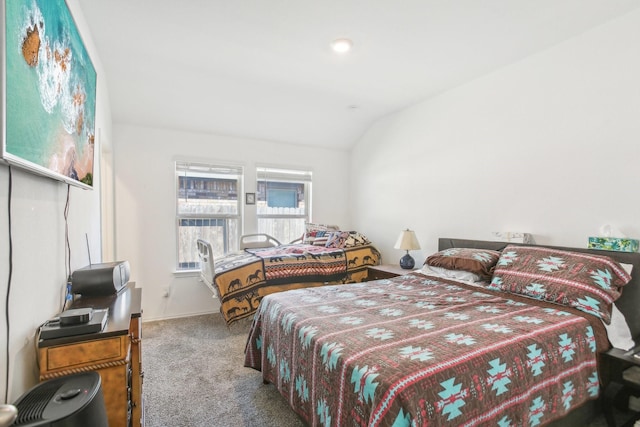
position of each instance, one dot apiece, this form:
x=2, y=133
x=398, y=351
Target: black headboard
x=628, y=303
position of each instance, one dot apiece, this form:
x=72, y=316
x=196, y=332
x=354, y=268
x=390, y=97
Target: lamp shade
x=407, y=241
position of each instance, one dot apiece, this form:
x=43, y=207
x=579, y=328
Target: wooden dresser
x=115, y=353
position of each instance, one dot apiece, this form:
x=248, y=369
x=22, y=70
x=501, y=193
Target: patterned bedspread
x=242, y=279
x=417, y=350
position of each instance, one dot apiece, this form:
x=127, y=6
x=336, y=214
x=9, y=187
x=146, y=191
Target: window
x=207, y=207
x=283, y=202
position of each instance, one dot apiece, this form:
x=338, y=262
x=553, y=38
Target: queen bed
x=485, y=334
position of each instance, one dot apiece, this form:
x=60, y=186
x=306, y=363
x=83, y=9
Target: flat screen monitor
x=49, y=92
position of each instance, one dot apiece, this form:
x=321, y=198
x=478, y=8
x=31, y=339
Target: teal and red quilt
x=420, y=350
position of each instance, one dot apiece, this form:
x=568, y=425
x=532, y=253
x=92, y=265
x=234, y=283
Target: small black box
x=75, y=316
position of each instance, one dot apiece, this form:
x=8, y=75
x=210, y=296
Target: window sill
x=186, y=273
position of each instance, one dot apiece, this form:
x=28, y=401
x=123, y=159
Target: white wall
x=38, y=235
x=145, y=203
x=549, y=145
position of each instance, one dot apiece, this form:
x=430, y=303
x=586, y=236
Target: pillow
x=336, y=239
x=627, y=267
x=309, y=237
x=321, y=238
x=355, y=239
x=346, y=239
x=618, y=331
x=476, y=261
x=590, y=283
x=466, y=276
x=311, y=231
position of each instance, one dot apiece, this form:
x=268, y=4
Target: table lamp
x=408, y=242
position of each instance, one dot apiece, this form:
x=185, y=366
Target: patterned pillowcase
x=321, y=238
x=346, y=239
x=311, y=231
x=355, y=239
x=336, y=239
x=590, y=283
x=476, y=261
x=309, y=237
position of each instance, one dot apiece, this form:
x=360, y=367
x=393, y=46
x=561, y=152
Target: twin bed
x=485, y=335
x=240, y=280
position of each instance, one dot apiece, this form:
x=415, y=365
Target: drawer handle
x=94, y=367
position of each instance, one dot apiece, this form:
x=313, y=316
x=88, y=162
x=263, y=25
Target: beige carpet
x=194, y=377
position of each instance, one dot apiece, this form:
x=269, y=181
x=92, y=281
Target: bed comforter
x=242, y=279
x=419, y=350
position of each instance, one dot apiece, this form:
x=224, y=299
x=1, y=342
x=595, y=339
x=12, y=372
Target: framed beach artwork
x=49, y=87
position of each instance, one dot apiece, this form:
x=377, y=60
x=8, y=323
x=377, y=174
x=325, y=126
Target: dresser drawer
x=85, y=353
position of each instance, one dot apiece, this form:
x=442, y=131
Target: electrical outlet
x=165, y=293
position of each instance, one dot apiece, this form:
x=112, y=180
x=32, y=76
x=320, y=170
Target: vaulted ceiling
x=264, y=68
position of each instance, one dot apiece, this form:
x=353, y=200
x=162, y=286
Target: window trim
x=206, y=169
x=289, y=175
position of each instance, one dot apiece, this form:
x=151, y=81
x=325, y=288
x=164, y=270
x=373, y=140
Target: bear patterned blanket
x=242, y=279
x=420, y=350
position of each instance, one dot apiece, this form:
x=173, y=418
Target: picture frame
x=49, y=101
x=250, y=198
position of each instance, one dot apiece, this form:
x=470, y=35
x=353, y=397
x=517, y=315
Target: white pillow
x=618, y=331
x=465, y=276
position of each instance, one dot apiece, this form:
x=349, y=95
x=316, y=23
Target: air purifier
x=69, y=401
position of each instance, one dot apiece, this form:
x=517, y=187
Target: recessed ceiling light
x=341, y=45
